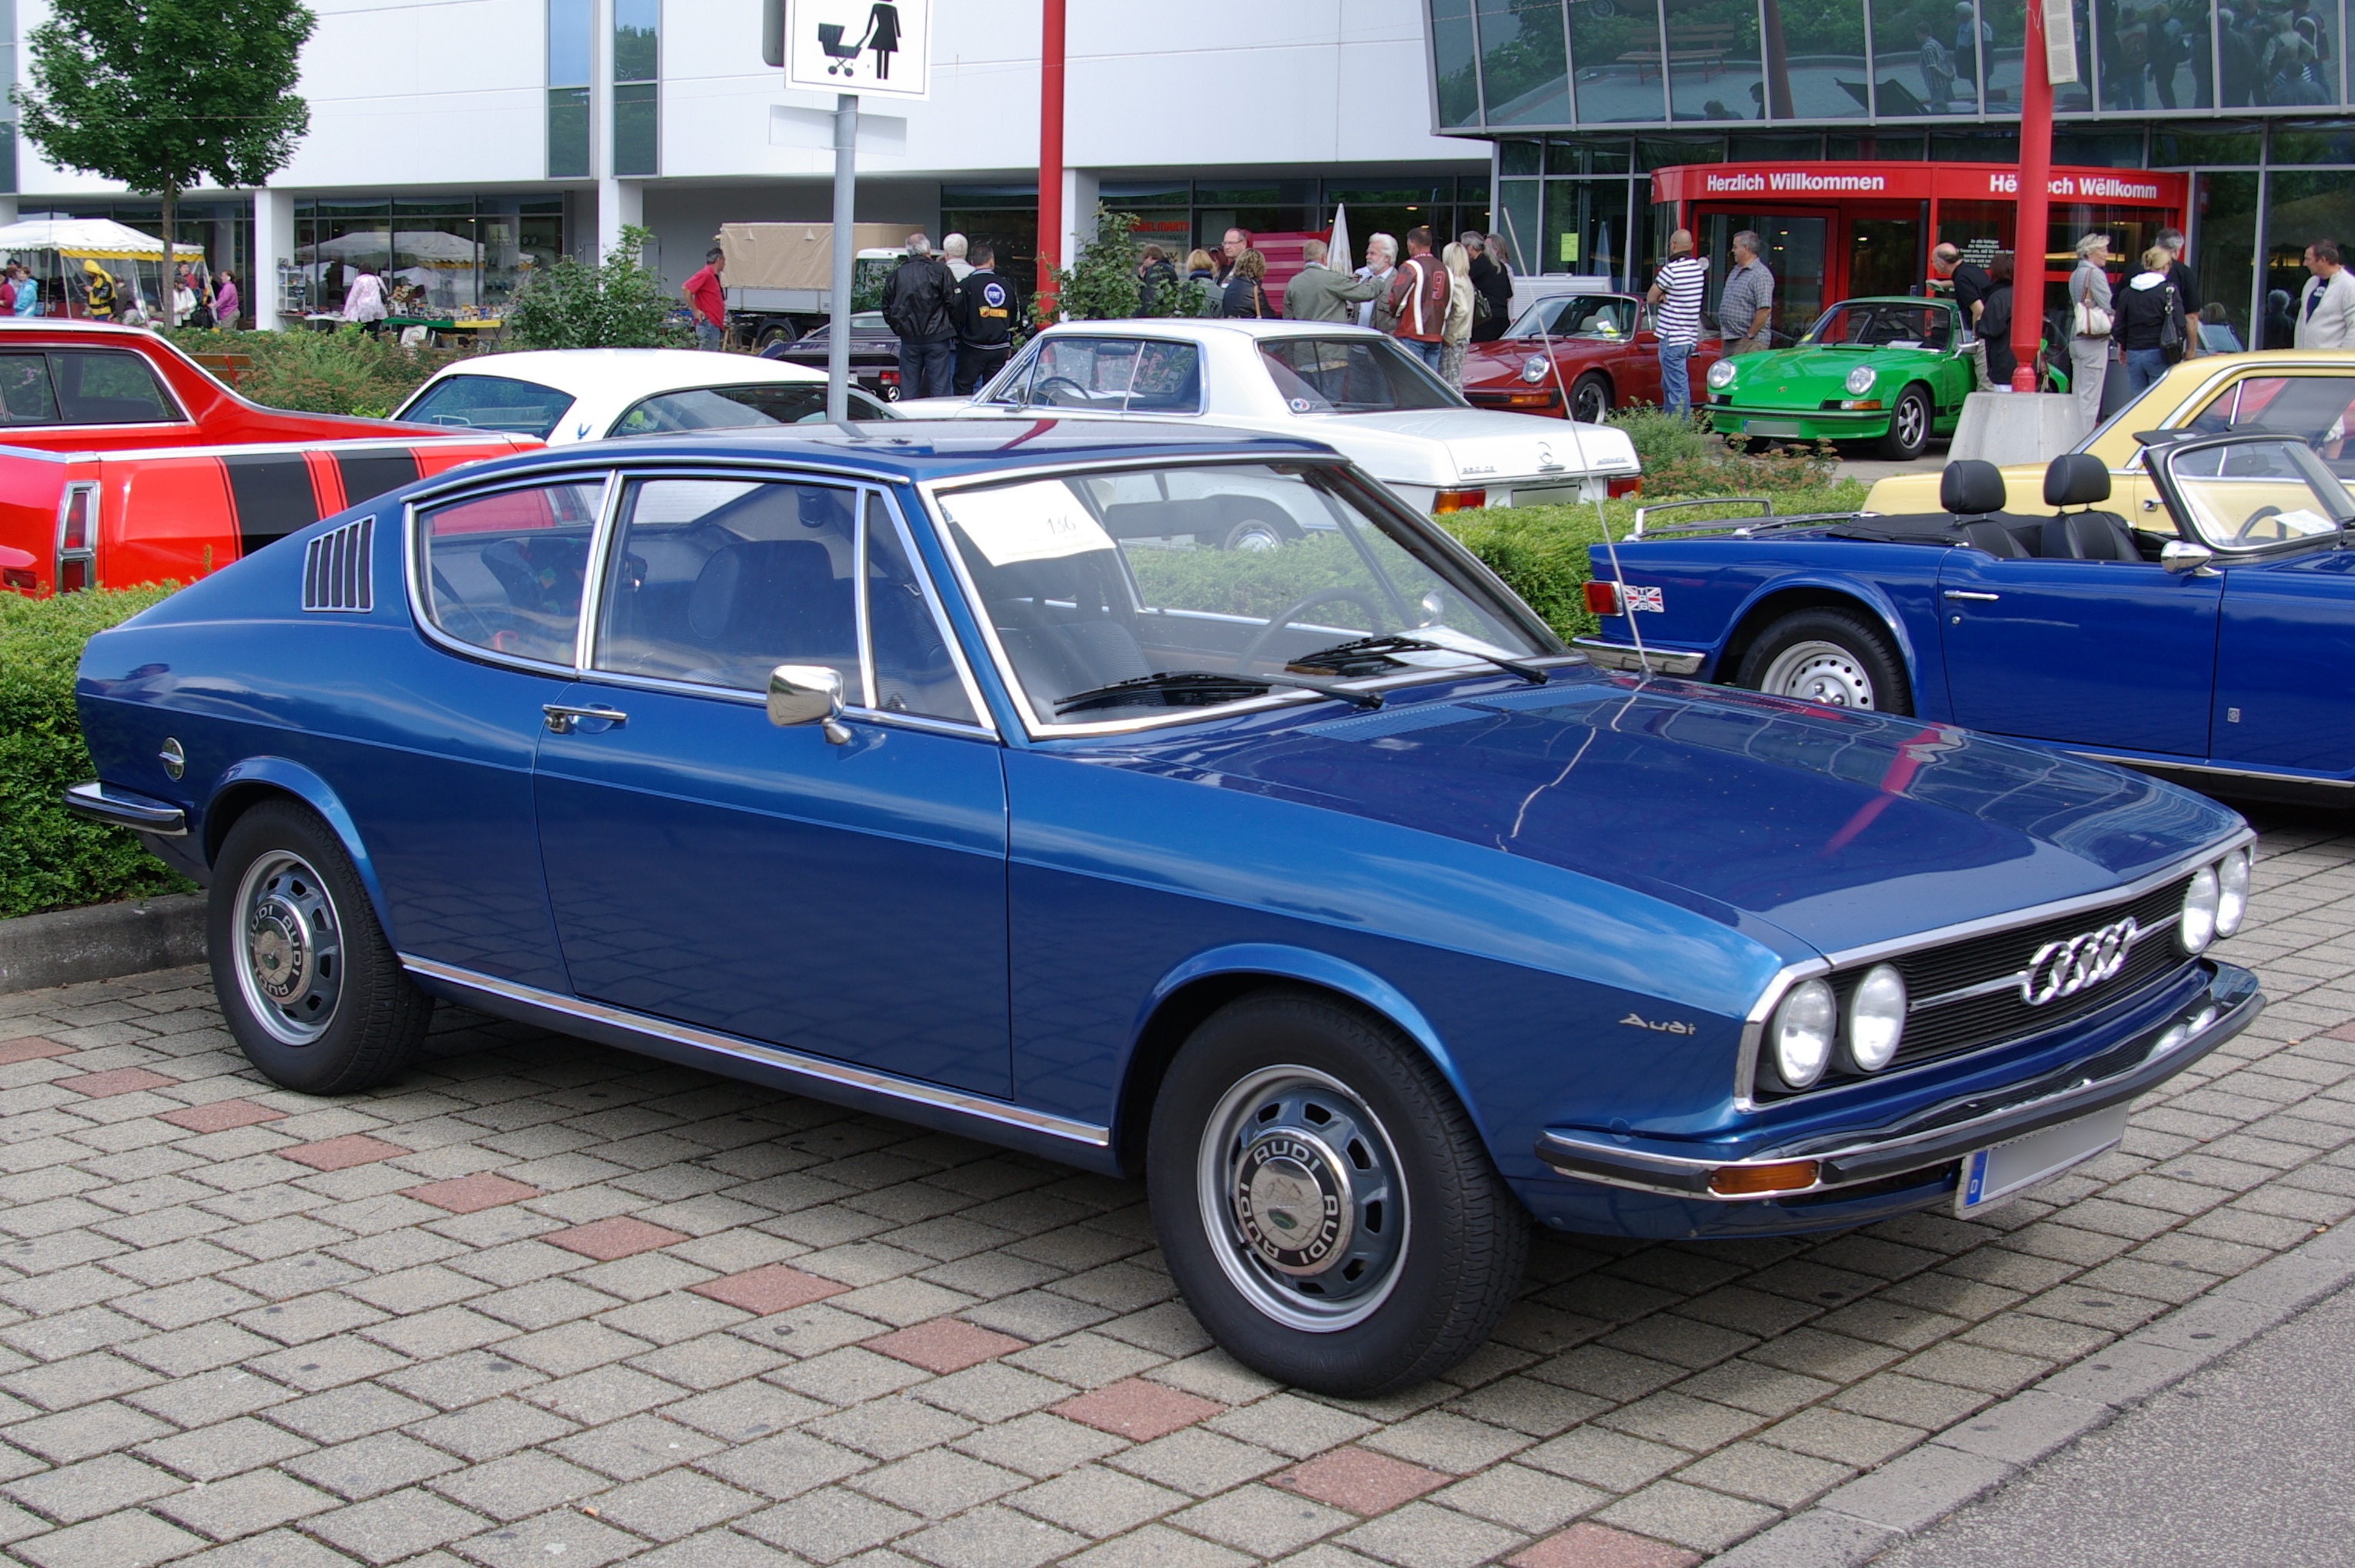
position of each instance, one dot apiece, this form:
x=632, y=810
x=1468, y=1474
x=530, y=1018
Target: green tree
x=1102, y=283
x=161, y=95
x=618, y=304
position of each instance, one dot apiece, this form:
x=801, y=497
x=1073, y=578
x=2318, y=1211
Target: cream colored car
x=2308, y=392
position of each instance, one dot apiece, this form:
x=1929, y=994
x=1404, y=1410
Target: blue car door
x=2283, y=664
x=846, y=899
x=2118, y=654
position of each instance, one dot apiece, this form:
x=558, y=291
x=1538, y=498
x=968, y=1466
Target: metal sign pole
x=846, y=191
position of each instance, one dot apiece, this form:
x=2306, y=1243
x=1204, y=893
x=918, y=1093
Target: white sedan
x=1354, y=389
x=587, y=394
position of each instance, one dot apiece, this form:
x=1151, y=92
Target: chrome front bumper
x=1624, y=655
x=1940, y=1133
x=120, y=808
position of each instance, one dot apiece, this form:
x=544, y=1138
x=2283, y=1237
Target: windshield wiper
x=1372, y=654
x=1202, y=688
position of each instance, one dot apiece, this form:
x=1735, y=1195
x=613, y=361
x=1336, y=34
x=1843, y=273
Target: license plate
x=1770, y=427
x=1992, y=1175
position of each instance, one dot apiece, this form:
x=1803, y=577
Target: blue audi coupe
x=970, y=773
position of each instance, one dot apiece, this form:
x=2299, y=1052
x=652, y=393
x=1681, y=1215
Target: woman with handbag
x=1244, y=294
x=1463, y=299
x=2151, y=321
x=2089, y=325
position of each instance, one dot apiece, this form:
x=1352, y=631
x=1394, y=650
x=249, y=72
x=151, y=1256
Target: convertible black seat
x=1974, y=492
x=2081, y=479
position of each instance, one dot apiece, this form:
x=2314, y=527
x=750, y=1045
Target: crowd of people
x=200, y=297
x=953, y=315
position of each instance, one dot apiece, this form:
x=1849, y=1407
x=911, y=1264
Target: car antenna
x=1602, y=518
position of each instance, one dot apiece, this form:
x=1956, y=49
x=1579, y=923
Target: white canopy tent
x=56, y=248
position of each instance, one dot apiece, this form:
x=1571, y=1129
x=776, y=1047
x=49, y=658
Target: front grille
x=1975, y=1022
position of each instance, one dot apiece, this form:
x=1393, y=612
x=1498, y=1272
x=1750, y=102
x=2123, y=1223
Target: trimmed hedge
x=51, y=859
x=341, y=372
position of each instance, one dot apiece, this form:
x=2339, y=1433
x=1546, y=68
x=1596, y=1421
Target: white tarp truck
x=779, y=275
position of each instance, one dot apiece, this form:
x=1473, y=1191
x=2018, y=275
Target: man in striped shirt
x=1676, y=292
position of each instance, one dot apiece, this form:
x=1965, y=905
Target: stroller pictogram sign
x=859, y=46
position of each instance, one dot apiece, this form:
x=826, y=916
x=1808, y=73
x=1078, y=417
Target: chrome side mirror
x=2182, y=556
x=808, y=694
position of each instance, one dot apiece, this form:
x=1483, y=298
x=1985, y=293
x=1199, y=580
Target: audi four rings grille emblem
x=2065, y=969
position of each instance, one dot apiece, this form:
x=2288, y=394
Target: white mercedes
x=565, y=395
x=1356, y=390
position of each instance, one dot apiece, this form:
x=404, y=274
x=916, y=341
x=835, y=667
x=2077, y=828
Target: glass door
x=1792, y=247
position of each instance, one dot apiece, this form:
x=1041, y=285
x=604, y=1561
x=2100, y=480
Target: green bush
x=340, y=372
x=617, y=304
x=51, y=859
x=1681, y=457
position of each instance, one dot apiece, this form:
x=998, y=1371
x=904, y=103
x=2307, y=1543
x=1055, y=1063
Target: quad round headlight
x=1720, y=375
x=2231, y=891
x=2198, y=927
x=1534, y=370
x=1859, y=380
x=1799, y=1036
x=1876, y=1018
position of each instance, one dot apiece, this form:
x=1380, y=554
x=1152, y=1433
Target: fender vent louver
x=335, y=574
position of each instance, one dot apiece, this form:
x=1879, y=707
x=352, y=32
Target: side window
x=490, y=402
x=914, y=672
x=1015, y=386
x=2316, y=407
x=726, y=408
x=97, y=387
x=718, y=581
x=25, y=396
x=504, y=572
x=1083, y=373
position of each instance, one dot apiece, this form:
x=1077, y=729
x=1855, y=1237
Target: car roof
x=1203, y=328
x=588, y=372
x=73, y=326
x=915, y=450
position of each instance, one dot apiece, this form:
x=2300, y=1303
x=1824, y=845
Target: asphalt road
x=2247, y=1463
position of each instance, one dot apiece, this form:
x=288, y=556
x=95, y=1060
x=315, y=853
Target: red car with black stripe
x=123, y=461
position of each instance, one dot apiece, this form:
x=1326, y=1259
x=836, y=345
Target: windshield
x=489, y=403
x=2249, y=494
x=861, y=321
x=1610, y=318
x=1352, y=376
x=1882, y=324
x=1119, y=597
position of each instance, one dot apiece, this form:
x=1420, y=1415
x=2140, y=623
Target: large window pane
x=1524, y=77
x=568, y=132
x=2223, y=256
x=1715, y=69
x=636, y=33
x=434, y=264
x=1452, y=51
x=1520, y=219
x=571, y=32
x=1586, y=229
x=636, y=128
x=2289, y=55
x=1615, y=44
x=1915, y=71
x=2007, y=22
x=2301, y=208
x=1815, y=60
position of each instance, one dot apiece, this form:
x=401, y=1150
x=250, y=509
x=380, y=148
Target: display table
x=438, y=324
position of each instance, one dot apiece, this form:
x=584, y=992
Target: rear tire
x=1909, y=427
x=1324, y=1201
x=1835, y=657
x=308, y=985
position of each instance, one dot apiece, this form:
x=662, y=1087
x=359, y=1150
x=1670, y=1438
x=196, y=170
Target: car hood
x=1840, y=828
x=1812, y=374
x=1479, y=443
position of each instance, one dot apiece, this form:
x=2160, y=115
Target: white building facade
x=461, y=143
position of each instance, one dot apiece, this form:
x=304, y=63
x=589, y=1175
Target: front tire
x=1590, y=398
x=1909, y=426
x=1324, y=1201
x=308, y=985
x=1833, y=657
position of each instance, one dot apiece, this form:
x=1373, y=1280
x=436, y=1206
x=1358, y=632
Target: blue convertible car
x=934, y=770
x=2208, y=635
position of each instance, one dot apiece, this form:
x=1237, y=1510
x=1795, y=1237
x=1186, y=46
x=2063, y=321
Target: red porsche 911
x=1603, y=356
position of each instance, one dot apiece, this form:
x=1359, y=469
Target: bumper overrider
x=1931, y=1137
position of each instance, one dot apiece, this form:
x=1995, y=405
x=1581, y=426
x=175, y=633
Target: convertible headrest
x=2077, y=479
x=1971, y=488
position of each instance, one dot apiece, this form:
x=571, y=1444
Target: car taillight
x=77, y=535
x=1459, y=500
x=73, y=524
x=1602, y=598
x=1632, y=485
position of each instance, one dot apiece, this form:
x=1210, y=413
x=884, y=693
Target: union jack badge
x=1644, y=599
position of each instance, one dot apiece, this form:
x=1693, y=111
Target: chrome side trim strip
x=819, y=1068
x=1608, y=654
x=2152, y=762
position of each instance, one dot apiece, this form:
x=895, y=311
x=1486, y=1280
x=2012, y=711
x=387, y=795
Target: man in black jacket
x=984, y=321
x=918, y=306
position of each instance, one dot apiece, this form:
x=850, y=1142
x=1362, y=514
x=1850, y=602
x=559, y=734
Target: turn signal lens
x=1737, y=1180
x=1459, y=500
x=1602, y=598
x=1876, y=1018
x=2232, y=892
x=1800, y=1034
x=2198, y=927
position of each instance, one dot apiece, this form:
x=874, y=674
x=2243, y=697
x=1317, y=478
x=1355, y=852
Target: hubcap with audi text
x=290, y=961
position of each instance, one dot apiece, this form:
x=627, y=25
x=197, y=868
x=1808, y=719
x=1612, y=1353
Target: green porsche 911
x=1894, y=371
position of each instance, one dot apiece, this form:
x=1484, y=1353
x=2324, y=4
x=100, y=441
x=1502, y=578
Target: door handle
x=561, y=718
x=1965, y=593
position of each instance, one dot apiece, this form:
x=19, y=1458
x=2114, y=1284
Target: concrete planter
x=101, y=942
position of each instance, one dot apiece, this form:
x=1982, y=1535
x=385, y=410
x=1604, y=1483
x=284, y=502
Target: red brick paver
x=1591, y=1545
x=466, y=1194
x=618, y=1237
x=1137, y=1410
x=221, y=1115
x=773, y=1287
x=1361, y=1480
x=29, y=1048
x=341, y=1154
x=122, y=1080
x=945, y=1345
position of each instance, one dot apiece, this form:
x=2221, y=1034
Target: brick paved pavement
x=544, y=1302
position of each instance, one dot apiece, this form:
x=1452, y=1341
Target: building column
x=8, y=208
x=1080, y=192
x=620, y=205
x=273, y=246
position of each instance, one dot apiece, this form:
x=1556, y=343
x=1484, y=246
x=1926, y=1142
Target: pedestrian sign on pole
x=2060, y=43
x=880, y=46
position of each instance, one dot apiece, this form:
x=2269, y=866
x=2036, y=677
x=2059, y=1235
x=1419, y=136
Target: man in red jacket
x=1418, y=298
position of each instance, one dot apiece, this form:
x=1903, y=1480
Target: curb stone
x=104, y=942
x=1885, y=1508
